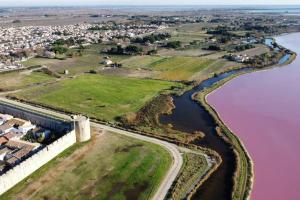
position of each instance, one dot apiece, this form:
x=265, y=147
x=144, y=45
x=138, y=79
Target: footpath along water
x=263, y=110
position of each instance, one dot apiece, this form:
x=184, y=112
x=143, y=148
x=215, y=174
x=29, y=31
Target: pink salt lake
x=263, y=110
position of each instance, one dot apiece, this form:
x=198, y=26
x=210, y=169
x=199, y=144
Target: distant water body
x=263, y=109
x=143, y=8
x=247, y=8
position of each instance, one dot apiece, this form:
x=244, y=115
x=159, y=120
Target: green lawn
x=103, y=97
x=109, y=167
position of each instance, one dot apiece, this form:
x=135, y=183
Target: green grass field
x=187, y=33
x=103, y=97
x=180, y=68
x=17, y=80
x=108, y=167
x=140, y=61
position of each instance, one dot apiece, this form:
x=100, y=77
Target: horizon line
x=99, y=5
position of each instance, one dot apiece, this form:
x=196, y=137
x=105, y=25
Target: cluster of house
x=240, y=58
x=130, y=31
x=12, y=147
x=21, y=43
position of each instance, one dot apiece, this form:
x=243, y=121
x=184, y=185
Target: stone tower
x=82, y=128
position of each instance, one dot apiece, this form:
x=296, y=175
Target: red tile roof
x=3, y=140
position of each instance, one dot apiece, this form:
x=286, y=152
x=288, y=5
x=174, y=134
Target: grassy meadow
x=187, y=33
x=102, y=97
x=140, y=61
x=178, y=68
x=19, y=79
x=110, y=166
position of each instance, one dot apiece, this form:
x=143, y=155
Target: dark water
x=189, y=116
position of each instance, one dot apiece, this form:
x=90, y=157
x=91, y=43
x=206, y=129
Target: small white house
x=107, y=62
x=25, y=128
x=5, y=117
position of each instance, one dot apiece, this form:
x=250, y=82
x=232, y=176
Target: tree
x=152, y=52
x=214, y=48
x=59, y=49
x=132, y=49
x=173, y=44
x=152, y=38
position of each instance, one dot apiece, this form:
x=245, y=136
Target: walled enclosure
x=47, y=153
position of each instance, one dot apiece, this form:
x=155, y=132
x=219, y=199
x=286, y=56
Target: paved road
x=176, y=164
x=177, y=160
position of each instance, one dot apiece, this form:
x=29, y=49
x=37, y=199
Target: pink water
x=263, y=109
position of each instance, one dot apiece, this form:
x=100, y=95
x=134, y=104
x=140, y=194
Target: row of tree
x=128, y=50
x=152, y=38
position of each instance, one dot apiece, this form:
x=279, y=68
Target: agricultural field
x=188, y=33
x=178, y=68
x=98, y=170
x=102, y=97
x=192, y=52
x=218, y=66
x=21, y=79
x=188, y=68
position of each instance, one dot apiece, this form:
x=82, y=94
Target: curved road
x=177, y=160
x=172, y=173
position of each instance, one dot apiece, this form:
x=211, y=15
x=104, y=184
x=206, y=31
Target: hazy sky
x=142, y=2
